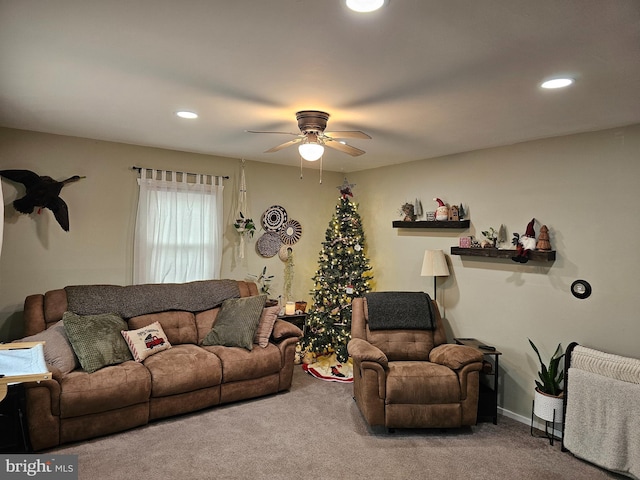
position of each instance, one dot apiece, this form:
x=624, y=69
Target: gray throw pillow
x=237, y=322
x=57, y=349
x=97, y=340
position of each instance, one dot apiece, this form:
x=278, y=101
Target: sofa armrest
x=363, y=351
x=283, y=329
x=56, y=374
x=455, y=356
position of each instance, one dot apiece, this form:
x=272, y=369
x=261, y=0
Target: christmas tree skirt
x=328, y=368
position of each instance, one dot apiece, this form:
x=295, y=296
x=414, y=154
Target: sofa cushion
x=241, y=364
x=236, y=322
x=421, y=383
x=205, y=321
x=146, y=341
x=265, y=325
x=400, y=345
x=109, y=388
x=57, y=348
x=180, y=326
x=96, y=339
x=181, y=369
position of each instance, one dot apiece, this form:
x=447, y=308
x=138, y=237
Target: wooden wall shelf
x=534, y=255
x=432, y=224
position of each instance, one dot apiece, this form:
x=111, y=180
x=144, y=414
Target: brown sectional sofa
x=184, y=378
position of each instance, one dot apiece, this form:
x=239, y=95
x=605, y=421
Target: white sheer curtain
x=178, y=236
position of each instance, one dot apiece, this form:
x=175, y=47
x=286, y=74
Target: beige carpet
x=315, y=431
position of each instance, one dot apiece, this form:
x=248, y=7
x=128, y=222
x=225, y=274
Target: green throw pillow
x=97, y=340
x=237, y=322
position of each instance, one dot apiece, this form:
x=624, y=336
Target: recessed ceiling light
x=186, y=114
x=557, y=82
x=364, y=6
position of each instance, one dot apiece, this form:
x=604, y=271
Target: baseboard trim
x=537, y=423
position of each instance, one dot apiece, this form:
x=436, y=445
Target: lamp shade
x=311, y=151
x=434, y=264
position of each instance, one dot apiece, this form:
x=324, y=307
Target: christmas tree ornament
x=346, y=188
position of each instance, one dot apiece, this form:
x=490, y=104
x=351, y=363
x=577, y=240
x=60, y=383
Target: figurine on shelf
x=408, y=211
x=461, y=212
x=442, y=212
x=491, y=236
x=453, y=214
x=418, y=209
x=502, y=235
x=525, y=243
x=465, y=242
x=543, y=240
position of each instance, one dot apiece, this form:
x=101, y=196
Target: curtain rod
x=226, y=177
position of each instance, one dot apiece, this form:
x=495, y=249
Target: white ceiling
x=424, y=78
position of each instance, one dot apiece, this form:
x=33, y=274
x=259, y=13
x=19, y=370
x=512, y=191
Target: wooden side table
x=299, y=320
x=488, y=400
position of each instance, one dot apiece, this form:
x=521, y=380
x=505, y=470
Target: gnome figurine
x=442, y=212
x=525, y=244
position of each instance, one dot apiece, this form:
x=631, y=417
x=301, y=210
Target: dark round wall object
x=581, y=289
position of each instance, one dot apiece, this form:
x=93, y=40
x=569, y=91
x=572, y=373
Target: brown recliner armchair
x=408, y=378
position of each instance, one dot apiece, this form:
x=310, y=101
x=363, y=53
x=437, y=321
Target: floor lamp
x=434, y=265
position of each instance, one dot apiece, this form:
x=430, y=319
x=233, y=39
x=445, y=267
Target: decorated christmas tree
x=343, y=274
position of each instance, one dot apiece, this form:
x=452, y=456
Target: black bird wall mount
x=41, y=192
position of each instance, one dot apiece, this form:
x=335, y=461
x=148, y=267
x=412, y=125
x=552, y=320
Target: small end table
x=298, y=319
x=488, y=399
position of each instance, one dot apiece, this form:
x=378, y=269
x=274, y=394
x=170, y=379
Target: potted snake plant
x=549, y=394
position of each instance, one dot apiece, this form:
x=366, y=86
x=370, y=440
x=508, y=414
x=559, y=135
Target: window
x=178, y=236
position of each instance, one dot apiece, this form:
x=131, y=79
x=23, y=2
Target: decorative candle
x=290, y=308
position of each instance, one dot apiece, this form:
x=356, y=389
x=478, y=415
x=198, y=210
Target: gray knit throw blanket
x=134, y=300
x=400, y=310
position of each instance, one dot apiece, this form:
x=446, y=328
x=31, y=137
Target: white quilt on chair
x=603, y=421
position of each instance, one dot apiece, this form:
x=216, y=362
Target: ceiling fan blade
x=348, y=134
x=281, y=133
x=283, y=145
x=353, y=151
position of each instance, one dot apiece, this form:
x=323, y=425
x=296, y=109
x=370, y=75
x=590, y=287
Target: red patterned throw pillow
x=146, y=341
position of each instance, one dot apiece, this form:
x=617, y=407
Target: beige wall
x=583, y=187
x=38, y=255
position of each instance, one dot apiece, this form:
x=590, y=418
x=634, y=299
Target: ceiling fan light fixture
x=311, y=151
x=364, y=6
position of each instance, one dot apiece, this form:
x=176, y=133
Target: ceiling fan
x=312, y=137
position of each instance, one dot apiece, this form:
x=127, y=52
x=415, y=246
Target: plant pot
x=545, y=405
